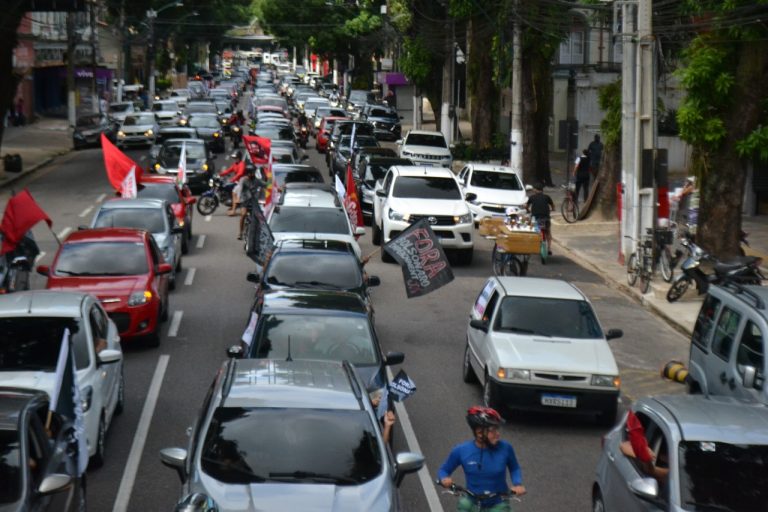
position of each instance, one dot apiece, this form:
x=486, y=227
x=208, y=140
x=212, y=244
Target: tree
x=609, y=98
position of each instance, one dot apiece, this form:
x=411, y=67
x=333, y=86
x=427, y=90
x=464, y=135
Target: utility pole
x=151, y=15
x=447, y=92
x=122, y=55
x=645, y=121
x=71, y=47
x=95, y=105
x=516, y=128
x=625, y=12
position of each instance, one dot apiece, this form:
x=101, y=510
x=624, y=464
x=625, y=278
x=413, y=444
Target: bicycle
x=569, y=208
x=664, y=258
x=472, y=502
x=508, y=264
x=640, y=263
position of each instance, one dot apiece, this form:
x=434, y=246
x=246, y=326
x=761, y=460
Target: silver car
x=138, y=130
x=153, y=215
x=710, y=454
x=167, y=112
x=277, y=435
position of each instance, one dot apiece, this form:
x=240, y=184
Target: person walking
x=581, y=175
x=595, y=149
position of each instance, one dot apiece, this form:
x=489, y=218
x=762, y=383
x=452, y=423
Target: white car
x=32, y=326
x=168, y=112
x=138, y=129
x=409, y=193
x=314, y=223
x=536, y=344
x=496, y=188
x=426, y=148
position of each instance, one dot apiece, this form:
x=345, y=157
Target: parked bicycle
x=569, y=207
x=640, y=263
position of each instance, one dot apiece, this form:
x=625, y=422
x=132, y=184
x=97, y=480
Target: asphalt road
x=209, y=311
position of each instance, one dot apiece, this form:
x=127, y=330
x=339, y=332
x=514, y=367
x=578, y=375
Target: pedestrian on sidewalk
x=581, y=175
x=595, y=155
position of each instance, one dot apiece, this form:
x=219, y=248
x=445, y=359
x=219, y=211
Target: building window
x=572, y=49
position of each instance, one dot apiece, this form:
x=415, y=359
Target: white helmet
x=692, y=179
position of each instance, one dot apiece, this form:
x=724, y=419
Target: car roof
x=108, y=235
x=292, y=245
x=301, y=302
x=36, y=303
x=119, y=202
x=159, y=179
x=423, y=170
x=373, y=158
x=179, y=129
x=177, y=142
x=425, y=132
x=301, y=384
x=714, y=418
x=491, y=168
x=539, y=287
x=752, y=295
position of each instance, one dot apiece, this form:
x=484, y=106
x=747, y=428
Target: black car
x=363, y=152
x=89, y=128
x=295, y=173
x=200, y=166
x=171, y=132
x=385, y=121
x=318, y=324
x=357, y=99
x=38, y=465
x=372, y=168
x=209, y=129
x=342, y=151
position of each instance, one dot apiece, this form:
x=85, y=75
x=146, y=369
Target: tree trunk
x=609, y=176
x=537, y=100
x=9, y=23
x=483, y=93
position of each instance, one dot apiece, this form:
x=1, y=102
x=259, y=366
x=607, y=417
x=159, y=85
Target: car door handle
x=610, y=455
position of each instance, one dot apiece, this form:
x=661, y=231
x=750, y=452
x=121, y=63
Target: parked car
x=426, y=148
x=39, y=471
x=495, y=188
x=88, y=130
x=32, y=326
x=138, y=130
x=410, y=193
x=708, y=454
x=371, y=169
x=152, y=215
x=385, y=120
x=200, y=161
x=178, y=196
x=536, y=344
x=317, y=443
x=124, y=269
x=209, y=129
x=167, y=112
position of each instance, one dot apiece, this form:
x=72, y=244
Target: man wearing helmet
x=485, y=461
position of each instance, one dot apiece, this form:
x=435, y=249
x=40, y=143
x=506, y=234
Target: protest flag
x=117, y=164
x=21, y=213
x=129, y=187
x=401, y=387
x=259, y=239
x=351, y=199
x=181, y=176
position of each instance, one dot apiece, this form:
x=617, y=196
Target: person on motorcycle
x=302, y=119
x=250, y=187
x=540, y=205
x=237, y=118
x=238, y=168
x=485, y=460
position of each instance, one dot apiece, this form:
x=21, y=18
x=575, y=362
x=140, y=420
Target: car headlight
x=463, y=219
x=139, y=298
x=223, y=121
x=157, y=167
x=149, y=133
x=210, y=183
x=205, y=167
x=236, y=129
x=608, y=381
x=393, y=215
x=513, y=374
x=121, y=134
x=182, y=121
x=86, y=398
x=216, y=135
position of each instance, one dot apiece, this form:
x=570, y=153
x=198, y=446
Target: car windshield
x=380, y=112
x=119, y=107
x=562, y=318
x=722, y=476
x=201, y=109
x=141, y=119
x=496, y=180
x=150, y=219
x=161, y=106
x=426, y=139
x=33, y=343
x=165, y=191
x=203, y=122
x=173, y=151
x=275, y=132
x=330, y=338
x=360, y=141
x=10, y=466
x=302, y=219
x=336, y=272
x=426, y=187
x=301, y=176
x=224, y=106
x=102, y=259
x=89, y=120
x=360, y=96
x=313, y=446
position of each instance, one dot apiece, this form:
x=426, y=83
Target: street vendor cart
x=515, y=238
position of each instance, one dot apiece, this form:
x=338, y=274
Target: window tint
x=425, y=139
x=101, y=259
x=10, y=466
x=150, y=219
x=165, y=191
x=140, y=119
x=339, y=271
x=33, y=343
x=751, y=352
x=203, y=122
x=725, y=332
x=171, y=152
x=309, y=220
x=547, y=317
x=705, y=321
x=426, y=187
x=496, y=180
x=331, y=446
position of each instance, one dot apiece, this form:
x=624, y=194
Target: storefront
x=50, y=85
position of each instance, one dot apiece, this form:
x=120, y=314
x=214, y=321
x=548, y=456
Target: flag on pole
x=21, y=213
x=259, y=148
x=340, y=190
x=66, y=400
x=117, y=164
x=128, y=188
x=181, y=177
x=259, y=239
x=351, y=199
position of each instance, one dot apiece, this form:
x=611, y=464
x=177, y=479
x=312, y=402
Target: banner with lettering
x=401, y=387
x=425, y=266
x=259, y=241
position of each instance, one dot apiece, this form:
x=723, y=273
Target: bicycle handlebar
x=459, y=490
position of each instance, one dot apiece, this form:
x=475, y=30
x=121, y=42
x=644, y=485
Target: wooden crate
x=491, y=226
x=519, y=242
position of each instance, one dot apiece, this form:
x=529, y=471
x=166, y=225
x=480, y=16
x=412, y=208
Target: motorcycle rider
x=485, y=460
x=250, y=186
x=238, y=168
x=236, y=119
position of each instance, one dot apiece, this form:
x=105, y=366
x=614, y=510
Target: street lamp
x=151, y=16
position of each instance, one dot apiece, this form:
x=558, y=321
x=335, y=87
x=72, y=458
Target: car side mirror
x=54, y=483
x=407, y=462
x=381, y=193
x=614, y=333
x=470, y=196
x=108, y=356
x=44, y=270
x=394, y=358
x=175, y=458
x=82, y=227
x=478, y=324
x=164, y=268
x=373, y=281
x=647, y=488
x=399, y=142
x=359, y=231
x=750, y=373
x=235, y=352
x=253, y=277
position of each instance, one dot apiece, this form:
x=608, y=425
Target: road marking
x=200, y=241
x=101, y=198
x=39, y=257
x=64, y=232
x=86, y=212
x=134, y=457
x=173, y=330
x=425, y=477
x=190, y=276
x=208, y=218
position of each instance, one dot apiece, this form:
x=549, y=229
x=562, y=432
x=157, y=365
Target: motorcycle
x=16, y=265
x=303, y=137
x=236, y=134
x=742, y=270
x=218, y=193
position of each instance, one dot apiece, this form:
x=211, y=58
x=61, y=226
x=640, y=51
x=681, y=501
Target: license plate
x=558, y=401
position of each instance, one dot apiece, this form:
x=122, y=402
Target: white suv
x=425, y=148
x=496, y=188
x=409, y=193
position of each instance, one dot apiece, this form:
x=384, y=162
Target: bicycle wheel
x=665, y=265
x=544, y=251
x=678, y=288
x=511, y=266
x=645, y=282
x=632, y=269
x=497, y=261
x=570, y=210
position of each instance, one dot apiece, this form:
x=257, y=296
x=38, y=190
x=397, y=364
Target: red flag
x=117, y=164
x=259, y=148
x=636, y=434
x=21, y=213
x=351, y=201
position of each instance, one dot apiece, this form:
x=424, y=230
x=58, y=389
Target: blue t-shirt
x=485, y=470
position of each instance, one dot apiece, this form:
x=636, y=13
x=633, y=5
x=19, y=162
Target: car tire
x=172, y=281
x=467, y=373
x=375, y=232
x=607, y=418
x=490, y=398
x=184, y=244
x=97, y=459
x=598, y=505
x=153, y=340
x=464, y=256
x=120, y=405
x=164, y=310
x=386, y=258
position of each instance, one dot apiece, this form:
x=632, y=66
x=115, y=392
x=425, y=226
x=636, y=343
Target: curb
x=30, y=170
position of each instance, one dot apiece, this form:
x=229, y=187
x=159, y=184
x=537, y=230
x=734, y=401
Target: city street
x=165, y=386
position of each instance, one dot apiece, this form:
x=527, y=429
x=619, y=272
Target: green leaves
x=416, y=61
x=609, y=99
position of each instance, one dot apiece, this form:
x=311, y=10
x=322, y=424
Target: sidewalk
x=38, y=144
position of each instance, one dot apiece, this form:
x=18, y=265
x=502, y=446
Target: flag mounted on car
x=418, y=251
x=117, y=164
x=259, y=240
x=129, y=187
x=351, y=199
x=181, y=176
x=21, y=213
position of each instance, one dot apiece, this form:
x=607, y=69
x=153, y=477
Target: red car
x=324, y=132
x=154, y=186
x=124, y=269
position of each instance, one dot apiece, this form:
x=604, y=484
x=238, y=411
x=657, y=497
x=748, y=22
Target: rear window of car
x=139, y=119
x=302, y=219
x=101, y=259
x=194, y=152
x=10, y=466
x=339, y=271
x=203, y=122
x=541, y=316
x=151, y=219
x=425, y=139
x=496, y=180
x=33, y=343
x=313, y=446
x=159, y=191
x=425, y=187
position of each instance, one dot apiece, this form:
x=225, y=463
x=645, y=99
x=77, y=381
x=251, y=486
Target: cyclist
x=485, y=461
x=540, y=205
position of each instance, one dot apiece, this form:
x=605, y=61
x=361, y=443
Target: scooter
x=742, y=270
